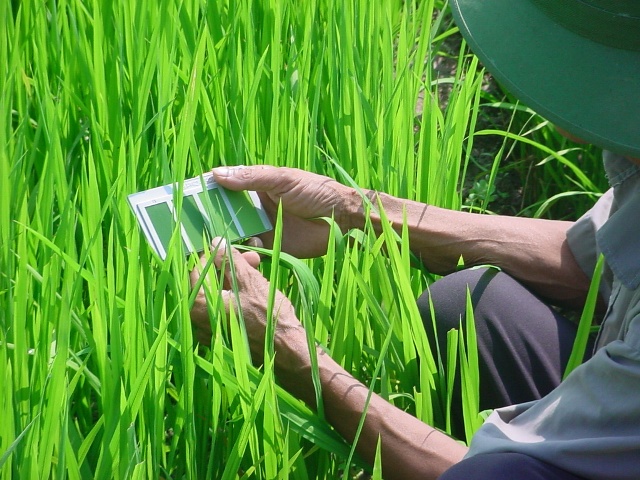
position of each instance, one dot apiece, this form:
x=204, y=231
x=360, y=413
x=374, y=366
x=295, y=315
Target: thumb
x=260, y=178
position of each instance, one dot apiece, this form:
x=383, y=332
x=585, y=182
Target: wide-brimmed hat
x=575, y=62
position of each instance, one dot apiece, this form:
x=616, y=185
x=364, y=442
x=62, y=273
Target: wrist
x=294, y=367
x=353, y=208
x=292, y=354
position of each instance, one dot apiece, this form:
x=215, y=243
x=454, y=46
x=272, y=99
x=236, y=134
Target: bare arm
x=534, y=251
x=410, y=448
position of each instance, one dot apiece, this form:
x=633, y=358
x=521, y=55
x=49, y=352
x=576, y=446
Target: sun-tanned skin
x=410, y=448
x=532, y=250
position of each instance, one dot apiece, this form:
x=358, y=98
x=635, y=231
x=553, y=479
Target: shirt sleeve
x=581, y=237
x=589, y=425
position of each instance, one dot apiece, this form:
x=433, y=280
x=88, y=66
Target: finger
x=198, y=270
x=258, y=242
x=219, y=249
x=254, y=242
x=219, y=246
x=252, y=258
x=235, y=265
x=223, y=256
x=194, y=275
x=267, y=237
x=261, y=178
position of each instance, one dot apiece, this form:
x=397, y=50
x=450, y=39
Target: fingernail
x=221, y=171
x=254, y=242
x=219, y=243
x=225, y=171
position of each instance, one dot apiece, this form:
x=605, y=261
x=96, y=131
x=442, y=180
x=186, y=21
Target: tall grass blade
x=586, y=320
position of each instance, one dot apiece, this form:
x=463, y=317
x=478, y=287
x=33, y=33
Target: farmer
x=576, y=62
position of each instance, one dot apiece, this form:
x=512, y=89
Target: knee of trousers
x=447, y=297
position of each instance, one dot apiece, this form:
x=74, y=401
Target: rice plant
x=102, y=377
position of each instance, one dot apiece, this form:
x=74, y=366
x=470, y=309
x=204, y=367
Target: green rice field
x=101, y=376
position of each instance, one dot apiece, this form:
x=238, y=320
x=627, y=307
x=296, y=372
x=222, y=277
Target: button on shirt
x=590, y=424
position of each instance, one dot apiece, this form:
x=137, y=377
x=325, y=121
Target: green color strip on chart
x=247, y=213
x=193, y=222
x=162, y=221
x=222, y=222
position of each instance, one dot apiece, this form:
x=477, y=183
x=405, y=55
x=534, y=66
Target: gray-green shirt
x=590, y=424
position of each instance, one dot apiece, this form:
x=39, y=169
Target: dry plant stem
x=534, y=251
x=410, y=448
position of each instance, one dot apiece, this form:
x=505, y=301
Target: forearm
x=410, y=448
x=534, y=251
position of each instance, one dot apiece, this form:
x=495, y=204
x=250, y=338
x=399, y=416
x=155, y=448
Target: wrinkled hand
x=305, y=197
x=251, y=298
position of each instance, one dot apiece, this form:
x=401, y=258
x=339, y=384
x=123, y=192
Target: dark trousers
x=505, y=466
x=523, y=343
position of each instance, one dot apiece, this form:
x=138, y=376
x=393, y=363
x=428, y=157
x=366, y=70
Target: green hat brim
x=589, y=89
